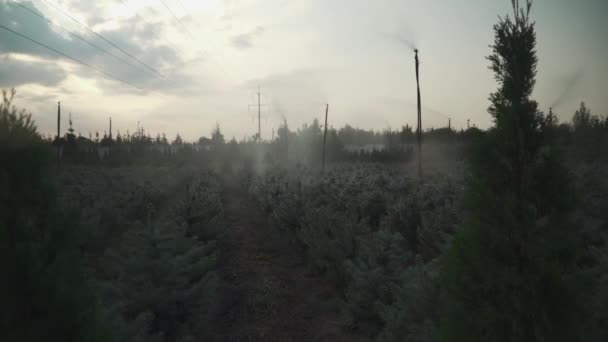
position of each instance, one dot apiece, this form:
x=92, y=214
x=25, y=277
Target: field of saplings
x=149, y=239
x=379, y=234
x=375, y=231
x=167, y=261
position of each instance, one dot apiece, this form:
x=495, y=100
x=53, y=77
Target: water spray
x=571, y=83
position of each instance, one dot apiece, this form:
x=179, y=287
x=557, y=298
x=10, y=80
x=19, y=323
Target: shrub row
x=376, y=232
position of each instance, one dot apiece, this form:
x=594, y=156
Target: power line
x=70, y=57
x=156, y=31
x=158, y=35
x=79, y=37
x=176, y=18
x=103, y=38
x=182, y=5
x=221, y=67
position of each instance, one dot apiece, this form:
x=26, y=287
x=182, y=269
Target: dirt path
x=267, y=292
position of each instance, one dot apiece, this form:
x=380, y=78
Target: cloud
x=245, y=40
x=15, y=72
x=129, y=34
x=94, y=10
x=26, y=23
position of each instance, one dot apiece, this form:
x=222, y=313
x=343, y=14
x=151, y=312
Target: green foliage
x=592, y=217
x=16, y=126
x=45, y=296
x=330, y=239
x=217, y=138
x=288, y=210
x=589, y=132
x=510, y=274
x=413, y=315
x=379, y=262
x=203, y=212
x=583, y=119
x=427, y=218
x=162, y=284
x=374, y=207
x=598, y=329
x=352, y=220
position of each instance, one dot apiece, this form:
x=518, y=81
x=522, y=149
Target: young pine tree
x=510, y=274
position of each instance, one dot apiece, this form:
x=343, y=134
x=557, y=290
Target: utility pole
x=419, y=115
x=286, y=140
x=58, y=132
x=450, y=124
x=259, y=117
x=468, y=120
x=325, y=137
x=110, y=138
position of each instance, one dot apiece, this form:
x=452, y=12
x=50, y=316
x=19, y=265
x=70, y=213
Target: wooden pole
x=259, y=118
x=286, y=140
x=325, y=137
x=419, y=115
x=110, y=138
x=58, y=132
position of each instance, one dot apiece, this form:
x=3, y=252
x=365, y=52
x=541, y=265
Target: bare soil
x=267, y=291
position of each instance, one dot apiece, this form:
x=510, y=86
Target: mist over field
x=246, y=170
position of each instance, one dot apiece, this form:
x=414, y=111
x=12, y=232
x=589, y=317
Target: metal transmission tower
x=259, y=105
x=419, y=129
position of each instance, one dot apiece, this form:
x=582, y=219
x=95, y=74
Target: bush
x=330, y=238
x=413, y=315
x=363, y=227
x=288, y=211
x=203, y=212
x=162, y=285
x=379, y=262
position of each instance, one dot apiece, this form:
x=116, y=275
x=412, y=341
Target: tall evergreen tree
x=44, y=294
x=510, y=273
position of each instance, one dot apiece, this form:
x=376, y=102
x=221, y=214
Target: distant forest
x=578, y=138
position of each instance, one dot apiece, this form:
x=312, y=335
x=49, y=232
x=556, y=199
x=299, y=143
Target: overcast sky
x=204, y=67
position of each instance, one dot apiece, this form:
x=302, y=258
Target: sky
x=186, y=66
